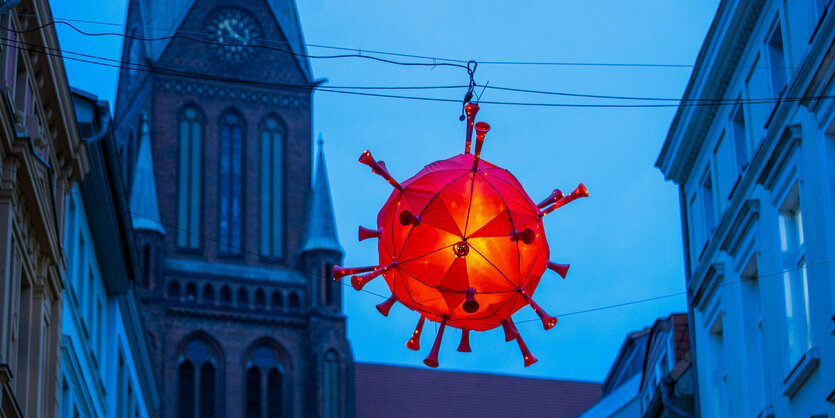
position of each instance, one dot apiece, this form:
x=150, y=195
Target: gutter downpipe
x=691, y=324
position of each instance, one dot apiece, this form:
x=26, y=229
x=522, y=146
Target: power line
x=347, y=89
x=571, y=313
x=418, y=56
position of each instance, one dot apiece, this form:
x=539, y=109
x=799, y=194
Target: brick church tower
x=236, y=244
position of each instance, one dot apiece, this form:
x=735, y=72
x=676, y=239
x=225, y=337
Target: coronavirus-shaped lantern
x=462, y=244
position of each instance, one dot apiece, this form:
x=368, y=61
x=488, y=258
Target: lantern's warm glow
x=461, y=243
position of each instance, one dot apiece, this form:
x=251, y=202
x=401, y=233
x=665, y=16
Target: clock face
x=234, y=33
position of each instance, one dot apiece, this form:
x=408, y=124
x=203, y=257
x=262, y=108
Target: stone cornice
x=222, y=92
x=691, y=123
x=745, y=218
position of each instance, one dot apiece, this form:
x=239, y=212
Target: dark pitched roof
x=394, y=391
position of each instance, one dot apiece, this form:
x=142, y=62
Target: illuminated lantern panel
x=463, y=244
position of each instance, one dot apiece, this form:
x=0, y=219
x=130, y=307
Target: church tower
x=215, y=137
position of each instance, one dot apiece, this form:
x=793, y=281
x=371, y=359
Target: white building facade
x=756, y=175
x=106, y=357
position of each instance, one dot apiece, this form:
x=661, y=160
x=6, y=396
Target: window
x=260, y=299
x=724, y=168
x=230, y=184
x=294, y=302
x=777, y=61
x=174, y=289
x=328, y=284
x=272, y=154
x=331, y=382
x=243, y=298
x=753, y=328
x=225, y=296
x=795, y=280
x=189, y=180
x=264, y=396
x=208, y=294
x=739, y=138
x=277, y=301
x=191, y=292
x=716, y=345
x=708, y=207
x=197, y=392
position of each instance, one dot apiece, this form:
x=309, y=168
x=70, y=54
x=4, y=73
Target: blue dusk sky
x=623, y=243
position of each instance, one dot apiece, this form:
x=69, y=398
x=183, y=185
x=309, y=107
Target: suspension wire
x=65, y=20
x=346, y=89
x=174, y=227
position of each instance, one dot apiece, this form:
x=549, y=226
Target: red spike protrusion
x=414, y=342
x=379, y=168
x=510, y=331
x=579, y=192
x=385, y=307
x=432, y=359
x=365, y=233
x=340, y=272
x=470, y=109
x=526, y=353
x=408, y=218
x=464, y=346
x=470, y=305
x=481, y=130
x=548, y=321
x=359, y=281
x=553, y=198
x=561, y=269
x=527, y=236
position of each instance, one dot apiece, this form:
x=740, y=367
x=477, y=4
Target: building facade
x=667, y=385
x=756, y=176
x=42, y=157
x=242, y=311
x=106, y=367
x=621, y=388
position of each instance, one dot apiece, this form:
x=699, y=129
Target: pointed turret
x=321, y=226
x=144, y=208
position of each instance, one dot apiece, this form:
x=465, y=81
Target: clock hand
x=234, y=34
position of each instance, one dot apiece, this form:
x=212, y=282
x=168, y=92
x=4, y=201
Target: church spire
x=321, y=225
x=143, y=198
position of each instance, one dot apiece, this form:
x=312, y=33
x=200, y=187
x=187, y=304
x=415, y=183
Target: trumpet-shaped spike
x=365, y=233
x=408, y=218
x=470, y=305
x=379, y=169
x=510, y=331
x=340, y=272
x=527, y=236
x=548, y=321
x=432, y=359
x=464, y=346
x=414, y=342
x=359, y=281
x=470, y=109
x=529, y=358
x=561, y=269
x=385, y=307
x=554, y=197
x=579, y=192
x=481, y=130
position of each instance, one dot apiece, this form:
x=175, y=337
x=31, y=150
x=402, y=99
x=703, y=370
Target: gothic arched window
x=243, y=298
x=230, y=184
x=264, y=375
x=331, y=384
x=294, y=303
x=277, y=301
x=208, y=294
x=174, y=289
x=260, y=299
x=189, y=178
x=197, y=386
x=225, y=296
x=272, y=158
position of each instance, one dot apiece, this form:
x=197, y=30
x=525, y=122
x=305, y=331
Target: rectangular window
x=708, y=207
x=724, y=168
x=11, y=61
x=716, y=346
x=795, y=280
x=696, y=227
x=739, y=138
x=777, y=61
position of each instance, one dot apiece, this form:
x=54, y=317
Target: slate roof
x=321, y=226
x=144, y=208
x=164, y=17
x=394, y=391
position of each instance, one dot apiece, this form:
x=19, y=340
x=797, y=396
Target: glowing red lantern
x=462, y=244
